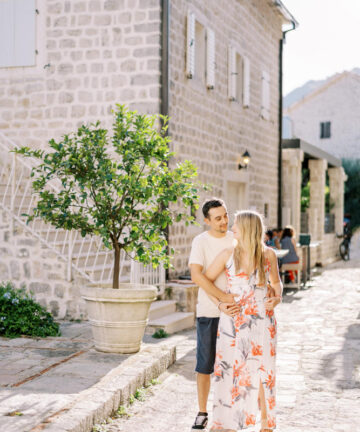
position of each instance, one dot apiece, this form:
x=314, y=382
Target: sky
x=326, y=41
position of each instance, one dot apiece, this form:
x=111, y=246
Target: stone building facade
x=84, y=56
x=328, y=116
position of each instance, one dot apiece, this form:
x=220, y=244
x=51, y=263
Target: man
x=205, y=247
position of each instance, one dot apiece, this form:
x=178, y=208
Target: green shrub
x=160, y=333
x=21, y=315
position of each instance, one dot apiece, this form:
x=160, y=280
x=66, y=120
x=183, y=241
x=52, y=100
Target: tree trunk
x=116, y=274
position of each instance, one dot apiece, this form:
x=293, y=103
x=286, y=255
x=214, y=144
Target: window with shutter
x=210, y=59
x=17, y=33
x=239, y=77
x=231, y=73
x=325, y=130
x=246, y=84
x=190, y=46
x=265, y=95
x=200, y=52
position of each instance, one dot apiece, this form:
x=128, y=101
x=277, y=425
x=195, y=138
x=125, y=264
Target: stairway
x=84, y=255
x=163, y=315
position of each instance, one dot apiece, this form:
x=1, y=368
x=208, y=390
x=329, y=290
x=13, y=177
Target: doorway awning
x=311, y=151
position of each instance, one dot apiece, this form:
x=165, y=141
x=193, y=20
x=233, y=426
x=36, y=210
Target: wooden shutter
x=210, y=59
x=265, y=97
x=190, y=46
x=232, y=73
x=6, y=33
x=17, y=33
x=246, y=83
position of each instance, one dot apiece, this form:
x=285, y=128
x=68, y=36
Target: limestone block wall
x=330, y=249
x=338, y=102
x=27, y=263
x=206, y=126
x=92, y=55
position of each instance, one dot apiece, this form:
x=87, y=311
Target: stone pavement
x=318, y=364
x=63, y=384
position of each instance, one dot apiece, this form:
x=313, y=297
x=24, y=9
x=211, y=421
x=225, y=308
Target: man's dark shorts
x=206, y=329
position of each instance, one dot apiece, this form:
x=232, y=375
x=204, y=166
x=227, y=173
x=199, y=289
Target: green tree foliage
x=118, y=187
x=352, y=190
x=21, y=315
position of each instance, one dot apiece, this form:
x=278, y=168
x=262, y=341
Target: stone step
x=162, y=308
x=172, y=323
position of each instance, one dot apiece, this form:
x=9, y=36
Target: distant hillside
x=300, y=92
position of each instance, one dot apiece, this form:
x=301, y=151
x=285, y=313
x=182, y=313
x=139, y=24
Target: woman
x=288, y=241
x=246, y=343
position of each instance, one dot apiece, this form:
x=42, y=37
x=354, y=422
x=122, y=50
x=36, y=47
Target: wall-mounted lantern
x=244, y=160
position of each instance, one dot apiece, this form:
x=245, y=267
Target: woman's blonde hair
x=251, y=227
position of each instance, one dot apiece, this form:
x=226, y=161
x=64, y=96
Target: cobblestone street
x=318, y=364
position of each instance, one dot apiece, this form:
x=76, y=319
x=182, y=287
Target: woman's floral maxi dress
x=245, y=355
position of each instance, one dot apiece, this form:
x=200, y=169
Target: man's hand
x=271, y=303
x=227, y=298
x=230, y=309
x=270, y=291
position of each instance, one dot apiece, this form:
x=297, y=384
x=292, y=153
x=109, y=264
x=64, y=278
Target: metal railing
x=86, y=255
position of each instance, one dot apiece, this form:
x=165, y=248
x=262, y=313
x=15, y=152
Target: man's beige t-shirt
x=204, y=250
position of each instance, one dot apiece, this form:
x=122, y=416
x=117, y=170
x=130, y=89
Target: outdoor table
x=280, y=253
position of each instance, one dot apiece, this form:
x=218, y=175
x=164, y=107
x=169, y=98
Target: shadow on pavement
x=342, y=366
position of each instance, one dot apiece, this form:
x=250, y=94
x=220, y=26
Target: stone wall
x=92, y=55
x=27, y=263
x=206, y=126
x=337, y=102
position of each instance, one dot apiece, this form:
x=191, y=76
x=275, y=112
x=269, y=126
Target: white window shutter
x=265, y=97
x=17, y=33
x=6, y=33
x=246, y=83
x=190, y=46
x=210, y=59
x=24, y=37
x=232, y=73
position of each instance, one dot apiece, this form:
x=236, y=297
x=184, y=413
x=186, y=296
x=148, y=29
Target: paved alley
x=318, y=364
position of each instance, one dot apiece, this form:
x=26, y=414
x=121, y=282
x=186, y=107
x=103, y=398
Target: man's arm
x=200, y=279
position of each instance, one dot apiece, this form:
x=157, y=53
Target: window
x=325, y=129
x=17, y=33
x=239, y=77
x=266, y=210
x=200, y=52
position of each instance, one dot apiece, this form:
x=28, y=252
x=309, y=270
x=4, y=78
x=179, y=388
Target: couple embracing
x=239, y=287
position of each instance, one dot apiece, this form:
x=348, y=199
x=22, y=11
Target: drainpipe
x=281, y=45
x=164, y=92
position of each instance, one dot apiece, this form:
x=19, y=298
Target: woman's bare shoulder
x=269, y=253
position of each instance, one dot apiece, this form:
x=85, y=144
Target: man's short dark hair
x=211, y=203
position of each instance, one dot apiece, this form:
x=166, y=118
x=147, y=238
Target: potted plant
x=121, y=188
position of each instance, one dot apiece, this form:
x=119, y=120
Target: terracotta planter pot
x=118, y=317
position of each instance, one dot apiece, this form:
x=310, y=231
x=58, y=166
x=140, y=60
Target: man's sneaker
x=200, y=422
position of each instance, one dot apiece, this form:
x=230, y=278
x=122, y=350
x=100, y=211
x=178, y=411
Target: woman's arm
x=230, y=309
x=293, y=241
x=218, y=265
x=275, y=280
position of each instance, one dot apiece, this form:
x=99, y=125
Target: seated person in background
x=269, y=241
x=288, y=241
x=277, y=233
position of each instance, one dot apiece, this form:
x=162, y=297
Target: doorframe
x=241, y=177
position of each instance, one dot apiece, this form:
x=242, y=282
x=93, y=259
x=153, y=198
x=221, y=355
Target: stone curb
x=98, y=402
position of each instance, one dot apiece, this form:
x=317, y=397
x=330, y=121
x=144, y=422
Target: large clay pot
x=118, y=317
